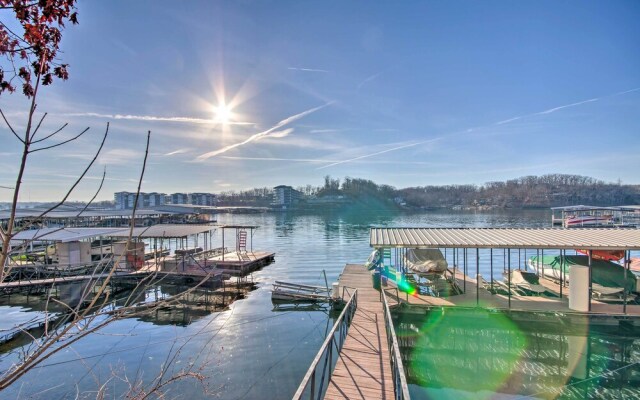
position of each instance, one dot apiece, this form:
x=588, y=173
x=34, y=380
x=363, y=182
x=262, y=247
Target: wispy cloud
x=154, y=118
x=378, y=153
x=308, y=69
x=262, y=134
x=120, y=156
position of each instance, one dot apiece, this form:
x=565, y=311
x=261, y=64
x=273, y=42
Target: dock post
x=477, y=277
x=491, y=266
x=590, y=252
x=509, y=274
x=562, y=254
x=627, y=263
x=464, y=270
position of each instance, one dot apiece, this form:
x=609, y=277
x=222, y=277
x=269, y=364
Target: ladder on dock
x=369, y=365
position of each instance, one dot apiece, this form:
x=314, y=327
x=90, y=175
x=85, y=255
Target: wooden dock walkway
x=363, y=369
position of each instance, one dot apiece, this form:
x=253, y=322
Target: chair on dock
x=527, y=282
x=605, y=293
x=499, y=287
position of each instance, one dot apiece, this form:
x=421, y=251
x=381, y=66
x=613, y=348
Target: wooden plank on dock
x=363, y=370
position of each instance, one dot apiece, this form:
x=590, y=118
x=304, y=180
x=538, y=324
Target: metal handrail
x=326, y=351
x=400, y=387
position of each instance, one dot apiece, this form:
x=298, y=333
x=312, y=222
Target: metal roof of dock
x=166, y=231
x=63, y=234
x=516, y=238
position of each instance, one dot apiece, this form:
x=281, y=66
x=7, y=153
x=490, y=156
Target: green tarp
x=605, y=273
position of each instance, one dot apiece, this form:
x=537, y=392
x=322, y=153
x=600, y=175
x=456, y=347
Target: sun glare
x=223, y=114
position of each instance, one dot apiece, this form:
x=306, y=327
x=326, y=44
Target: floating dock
x=363, y=369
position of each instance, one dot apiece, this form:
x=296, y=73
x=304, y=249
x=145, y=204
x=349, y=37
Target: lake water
x=253, y=350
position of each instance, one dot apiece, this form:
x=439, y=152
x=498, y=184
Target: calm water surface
x=252, y=350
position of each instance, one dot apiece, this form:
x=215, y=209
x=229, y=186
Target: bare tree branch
x=10, y=127
x=77, y=182
x=61, y=143
x=104, y=174
x=48, y=136
x=37, y=127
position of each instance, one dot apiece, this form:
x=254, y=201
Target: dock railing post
x=590, y=252
x=491, y=266
x=509, y=275
x=627, y=263
x=562, y=254
x=477, y=277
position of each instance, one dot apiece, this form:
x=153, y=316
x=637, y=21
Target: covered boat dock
x=476, y=253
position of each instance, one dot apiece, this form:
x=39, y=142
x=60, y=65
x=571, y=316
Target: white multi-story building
x=126, y=200
x=202, y=199
x=286, y=195
x=179, y=198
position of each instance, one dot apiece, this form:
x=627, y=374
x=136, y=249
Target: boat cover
x=425, y=260
x=605, y=273
x=374, y=260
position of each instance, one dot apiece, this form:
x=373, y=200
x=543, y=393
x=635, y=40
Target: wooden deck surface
x=232, y=263
x=363, y=370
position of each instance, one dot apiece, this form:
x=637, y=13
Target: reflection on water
x=478, y=354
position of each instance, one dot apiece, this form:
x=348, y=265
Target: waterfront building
x=286, y=195
x=179, y=198
x=202, y=199
x=126, y=200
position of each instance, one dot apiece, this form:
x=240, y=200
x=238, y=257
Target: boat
x=430, y=273
x=608, y=255
x=375, y=259
x=294, y=292
x=588, y=221
x=605, y=273
x=425, y=261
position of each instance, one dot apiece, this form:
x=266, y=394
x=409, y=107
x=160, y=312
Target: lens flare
x=472, y=353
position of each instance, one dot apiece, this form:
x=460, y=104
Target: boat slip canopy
x=166, y=231
x=62, y=234
x=515, y=238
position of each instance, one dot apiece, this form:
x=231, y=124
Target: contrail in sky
x=308, y=160
x=307, y=69
x=549, y=111
x=369, y=79
x=155, y=118
x=179, y=151
x=377, y=153
x=262, y=134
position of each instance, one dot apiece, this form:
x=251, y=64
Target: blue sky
x=402, y=93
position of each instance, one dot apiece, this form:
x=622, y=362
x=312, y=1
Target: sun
x=223, y=114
